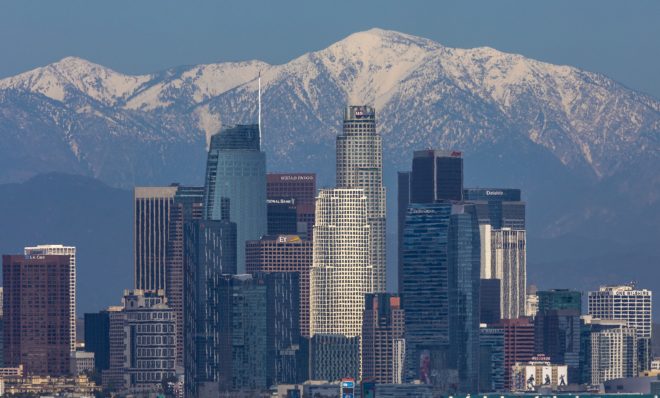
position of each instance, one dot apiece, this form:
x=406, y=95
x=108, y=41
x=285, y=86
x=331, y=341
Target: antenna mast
x=259, y=111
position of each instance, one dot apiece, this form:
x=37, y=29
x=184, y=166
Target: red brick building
x=36, y=313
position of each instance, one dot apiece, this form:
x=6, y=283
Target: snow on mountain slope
x=426, y=94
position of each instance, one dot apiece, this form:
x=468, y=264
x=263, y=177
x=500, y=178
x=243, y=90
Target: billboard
x=562, y=375
x=546, y=376
x=530, y=378
x=347, y=388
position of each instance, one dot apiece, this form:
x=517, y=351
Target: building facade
x=71, y=252
x=186, y=207
x=518, y=345
x=302, y=188
x=36, y=305
x=341, y=272
x=151, y=212
x=504, y=257
x=491, y=359
x=436, y=175
x=498, y=207
x=334, y=357
x=613, y=350
x=382, y=338
x=97, y=338
x=632, y=305
x=360, y=166
x=284, y=253
x=236, y=171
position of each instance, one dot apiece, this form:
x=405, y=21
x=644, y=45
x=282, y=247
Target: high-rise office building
x=334, y=357
x=302, y=188
x=632, y=305
x=464, y=270
x=283, y=253
x=382, y=337
x=259, y=343
x=504, y=257
x=236, y=171
x=151, y=212
x=489, y=298
x=491, y=362
x=498, y=207
x=425, y=290
x=403, y=199
x=210, y=252
x=283, y=217
x=97, y=338
x=71, y=252
x=518, y=345
x=614, y=350
x=36, y=305
x=436, y=175
x=557, y=333
x=341, y=272
x=559, y=299
x=360, y=166
x=187, y=206
x=142, y=342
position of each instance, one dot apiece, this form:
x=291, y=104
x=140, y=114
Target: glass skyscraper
x=436, y=175
x=236, y=171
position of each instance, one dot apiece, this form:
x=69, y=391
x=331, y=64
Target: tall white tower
x=341, y=272
x=360, y=165
x=71, y=252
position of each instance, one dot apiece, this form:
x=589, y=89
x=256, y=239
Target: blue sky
x=618, y=38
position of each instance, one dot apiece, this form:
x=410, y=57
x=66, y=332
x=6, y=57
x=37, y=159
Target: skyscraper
x=36, y=306
x=403, y=199
x=284, y=253
x=518, y=344
x=489, y=297
x=382, y=338
x=71, y=252
x=236, y=171
x=632, y=305
x=97, y=338
x=210, y=252
x=436, y=175
x=360, y=166
x=425, y=290
x=341, y=272
x=498, y=207
x=463, y=276
x=504, y=257
x=151, y=210
x=613, y=350
x=283, y=217
x=186, y=207
x=298, y=186
x=559, y=299
x=491, y=365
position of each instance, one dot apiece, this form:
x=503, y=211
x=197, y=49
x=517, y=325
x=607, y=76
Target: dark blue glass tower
x=464, y=270
x=236, y=170
x=425, y=290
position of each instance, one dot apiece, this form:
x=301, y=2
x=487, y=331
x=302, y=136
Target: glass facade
x=236, y=171
x=464, y=270
x=498, y=207
x=425, y=294
x=436, y=175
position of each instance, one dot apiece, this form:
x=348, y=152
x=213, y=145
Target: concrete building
x=613, y=350
x=151, y=211
x=236, y=171
x=360, y=166
x=284, y=253
x=632, y=305
x=518, y=345
x=142, y=342
x=341, y=272
x=71, y=252
x=383, y=339
x=82, y=362
x=37, y=314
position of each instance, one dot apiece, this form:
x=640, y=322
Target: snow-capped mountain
x=519, y=121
